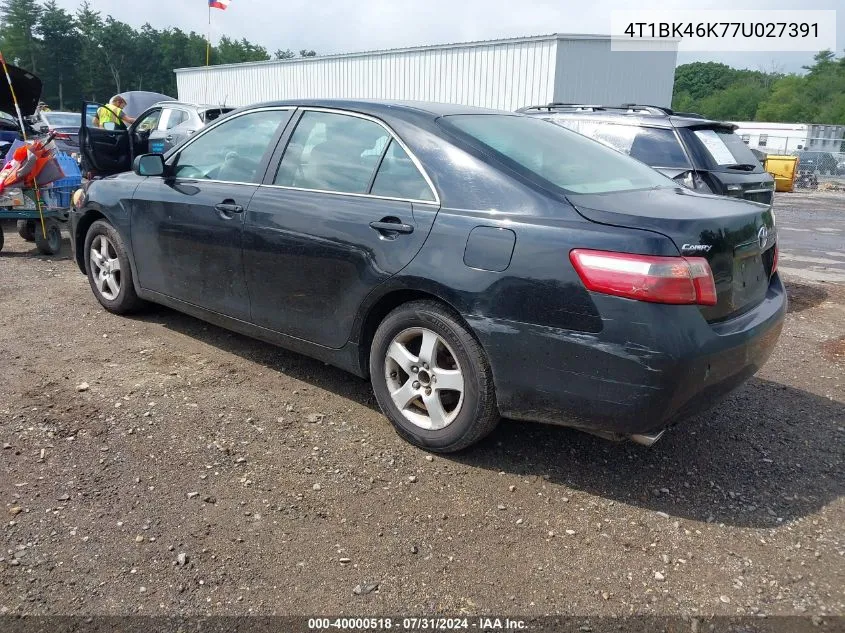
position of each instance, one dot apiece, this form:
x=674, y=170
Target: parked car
x=698, y=153
x=840, y=166
x=64, y=125
x=158, y=129
x=822, y=163
x=472, y=263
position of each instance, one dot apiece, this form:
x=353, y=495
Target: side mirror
x=44, y=128
x=149, y=165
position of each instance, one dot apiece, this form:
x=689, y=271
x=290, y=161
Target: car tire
x=110, y=273
x=404, y=376
x=26, y=229
x=48, y=240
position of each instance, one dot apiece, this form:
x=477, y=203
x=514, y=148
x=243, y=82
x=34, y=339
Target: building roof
x=408, y=49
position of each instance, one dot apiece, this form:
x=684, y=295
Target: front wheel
x=432, y=379
x=109, y=272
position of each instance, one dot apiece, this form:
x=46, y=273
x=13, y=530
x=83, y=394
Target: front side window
x=332, y=152
x=559, y=156
x=149, y=122
x=233, y=150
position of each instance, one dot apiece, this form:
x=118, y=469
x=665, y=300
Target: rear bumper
x=649, y=367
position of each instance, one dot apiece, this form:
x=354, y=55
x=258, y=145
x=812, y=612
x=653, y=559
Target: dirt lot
x=159, y=465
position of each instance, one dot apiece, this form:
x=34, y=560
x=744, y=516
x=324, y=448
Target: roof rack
x=625, y=108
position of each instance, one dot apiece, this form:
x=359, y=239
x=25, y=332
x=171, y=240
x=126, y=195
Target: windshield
x=565, y=159
x=62, y=119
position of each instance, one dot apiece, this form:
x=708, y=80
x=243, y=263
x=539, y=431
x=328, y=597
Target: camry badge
x=696, y=248
x=763, y=237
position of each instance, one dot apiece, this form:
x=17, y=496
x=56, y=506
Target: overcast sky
x=340, y=26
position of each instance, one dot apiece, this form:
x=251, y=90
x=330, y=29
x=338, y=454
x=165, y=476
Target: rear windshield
x=563, y=158
x=721, y=148
x=63, y=119
x=657, y=147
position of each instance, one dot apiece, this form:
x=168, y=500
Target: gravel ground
x=159, y=465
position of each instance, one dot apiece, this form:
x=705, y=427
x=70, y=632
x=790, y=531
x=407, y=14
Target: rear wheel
x=432, y=379
x=109, y=272
x=26, y=229
x=51, y=243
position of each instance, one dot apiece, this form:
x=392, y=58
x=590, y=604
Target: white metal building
x=784, y=138
x=505, y=74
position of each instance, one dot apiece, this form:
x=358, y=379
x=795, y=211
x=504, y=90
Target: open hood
x=139, y=100
x=27, y=89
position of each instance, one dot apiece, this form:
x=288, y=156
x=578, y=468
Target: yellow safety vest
x=109, y=114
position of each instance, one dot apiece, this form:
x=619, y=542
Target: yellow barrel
x=784, y=169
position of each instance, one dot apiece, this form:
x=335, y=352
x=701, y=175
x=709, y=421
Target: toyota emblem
x=763, y=237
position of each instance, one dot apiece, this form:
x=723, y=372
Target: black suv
x=696, y=152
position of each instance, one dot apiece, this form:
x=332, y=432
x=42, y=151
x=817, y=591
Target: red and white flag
x=218, y=4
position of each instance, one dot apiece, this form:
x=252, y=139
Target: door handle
x=229, y=206
x=168, y=138
x=391, y=225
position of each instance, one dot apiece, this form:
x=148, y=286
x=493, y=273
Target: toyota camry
x=471, y=263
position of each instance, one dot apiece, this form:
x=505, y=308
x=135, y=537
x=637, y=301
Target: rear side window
x=657, y=147
x=559, y=156
x=398, y=177
x=175, y=118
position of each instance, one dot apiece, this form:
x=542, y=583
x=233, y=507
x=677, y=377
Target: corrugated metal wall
x=588, y=71
x=503, y=74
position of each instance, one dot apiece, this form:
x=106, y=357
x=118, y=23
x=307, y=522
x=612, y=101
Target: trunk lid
x=737, y=238
x=27, y=90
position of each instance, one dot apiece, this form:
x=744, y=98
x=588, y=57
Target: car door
x=346, y=208
x=104, y=151
x=187, y=225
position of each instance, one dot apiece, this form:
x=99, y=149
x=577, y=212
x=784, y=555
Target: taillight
x=692, y=180
x=775, y=260
x=678, y=280
x=61, y=136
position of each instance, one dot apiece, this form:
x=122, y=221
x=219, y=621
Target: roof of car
x=195, y=106
x=376, y=107
x=644, y=115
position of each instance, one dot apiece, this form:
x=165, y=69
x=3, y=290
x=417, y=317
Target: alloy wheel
x=105, y=267
x=424, y=378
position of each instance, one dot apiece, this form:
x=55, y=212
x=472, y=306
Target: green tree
x=18, y=23
x=737, y=102
x=59, y=41
x=701, y=79
x=93, y=82
x=284, y=54
x=788, y=102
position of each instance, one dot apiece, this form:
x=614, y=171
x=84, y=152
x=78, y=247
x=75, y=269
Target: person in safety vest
x=111, y=114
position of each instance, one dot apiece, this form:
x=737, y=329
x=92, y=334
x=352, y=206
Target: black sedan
x=472, y=263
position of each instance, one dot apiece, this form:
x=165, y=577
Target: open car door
x=104, y=151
